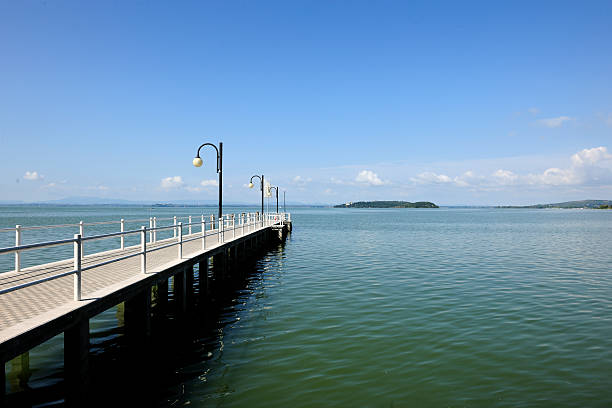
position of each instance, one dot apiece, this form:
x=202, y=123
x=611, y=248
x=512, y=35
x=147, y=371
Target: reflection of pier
x=40, y=302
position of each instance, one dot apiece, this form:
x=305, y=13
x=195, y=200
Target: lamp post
x=197, y=161
x=276, y=188
x=261, y=178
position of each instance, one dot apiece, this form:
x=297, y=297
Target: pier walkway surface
x=54, y=293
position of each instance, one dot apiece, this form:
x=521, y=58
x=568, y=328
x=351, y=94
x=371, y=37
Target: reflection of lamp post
x=197, y=161
x=261, y=178
x=276, y=188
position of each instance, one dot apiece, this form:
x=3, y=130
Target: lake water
x=373, y=308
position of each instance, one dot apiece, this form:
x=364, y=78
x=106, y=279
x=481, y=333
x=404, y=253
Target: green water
x=381, y=308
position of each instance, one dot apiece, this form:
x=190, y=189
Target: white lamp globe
x=250, y=185
x=197, y=162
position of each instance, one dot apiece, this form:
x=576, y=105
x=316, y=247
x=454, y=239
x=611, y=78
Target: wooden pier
x=40, y=302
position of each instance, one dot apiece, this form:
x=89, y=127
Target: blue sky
x=334, y=101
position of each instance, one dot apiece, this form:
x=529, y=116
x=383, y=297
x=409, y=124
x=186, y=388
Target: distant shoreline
x=387, y=204
x=583, y=204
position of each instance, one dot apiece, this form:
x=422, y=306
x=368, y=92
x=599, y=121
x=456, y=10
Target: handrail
x=28, y=247
x=228, y=223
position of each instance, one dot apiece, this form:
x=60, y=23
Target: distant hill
x=82, y=200
x=568, y=204
x=387, y=204
x=102, y=201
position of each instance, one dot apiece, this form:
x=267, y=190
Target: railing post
x=17, y=243
x=150, y=229
x=203, y=233
x=122, y=236
x=233, y=226
x=221, y=229
x=242, y=222
x=180, y=240
x=174, y=229
x=190, y=225
x=82, y=233
x=143, y=249
x=154, y=229
x=78, y=249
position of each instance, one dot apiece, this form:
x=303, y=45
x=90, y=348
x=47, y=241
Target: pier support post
x=137, y=316
x=225, y=262
x=189, y=285
x=203, y=268
x=2, y=382
x=162, y=295
x=229, y=255
x=180, y=291
x=76, y=362
x=219, y=265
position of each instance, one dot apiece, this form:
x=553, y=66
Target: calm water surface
x=382, y=308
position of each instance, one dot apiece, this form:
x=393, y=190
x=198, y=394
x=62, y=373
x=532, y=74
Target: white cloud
x=587, y=167
x=32, y=175
x=555, y=122
x=468, y=179
x=505, y=177
x=172, y=182
x=431, y=178
x=554, y=176
x=301, y=181
x=209, y=183
x=533, y=111
x=203, y=185
x=370, y=178
x=591, y=156
x=99, y=188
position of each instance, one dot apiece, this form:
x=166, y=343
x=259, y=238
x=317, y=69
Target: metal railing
x=245, y=222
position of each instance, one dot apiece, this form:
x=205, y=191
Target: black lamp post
x=276, y=188
x=261, y=178
x=197, y=161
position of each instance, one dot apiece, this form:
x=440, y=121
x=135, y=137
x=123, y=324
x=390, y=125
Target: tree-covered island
x=387, y=204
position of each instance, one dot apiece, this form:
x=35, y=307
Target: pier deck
x=33, y=314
